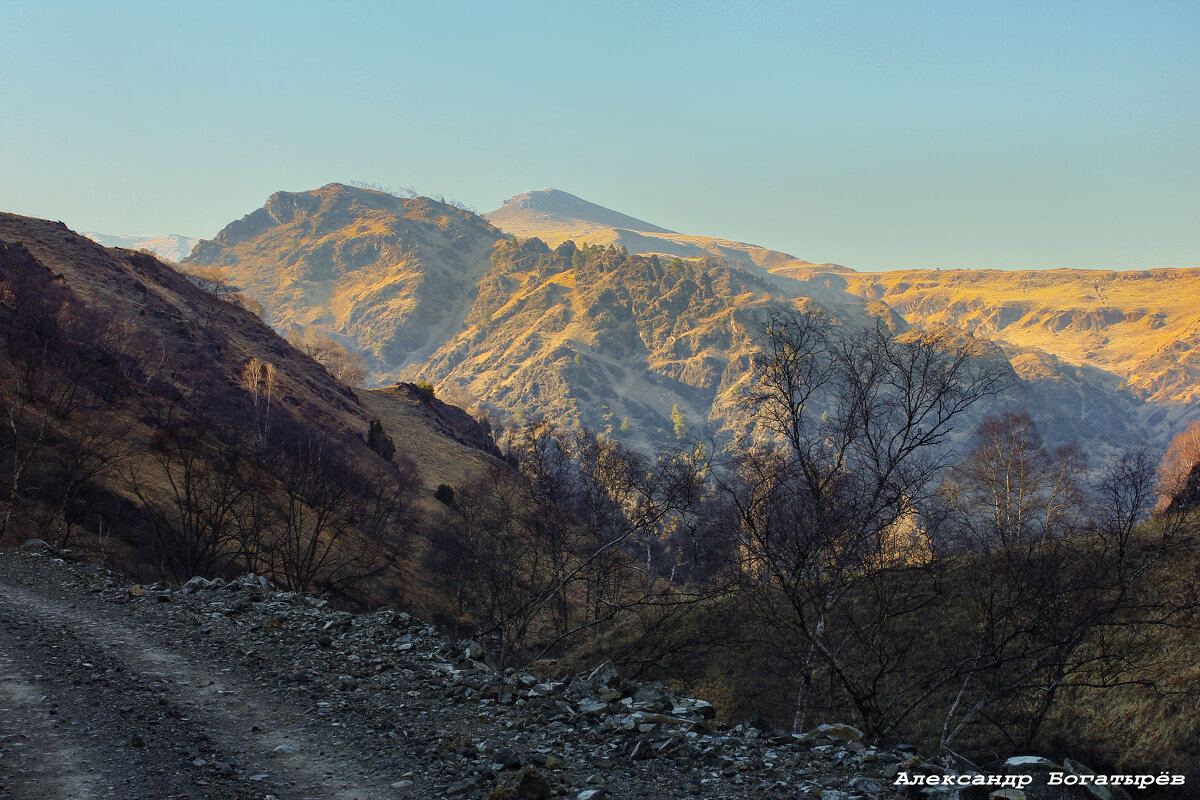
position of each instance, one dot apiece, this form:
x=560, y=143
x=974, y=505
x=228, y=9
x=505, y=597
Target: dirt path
x=230, y=690
x=91, y=708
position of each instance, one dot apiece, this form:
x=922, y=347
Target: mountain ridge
x=597, y=334
x=169, y=246
x=555, y=216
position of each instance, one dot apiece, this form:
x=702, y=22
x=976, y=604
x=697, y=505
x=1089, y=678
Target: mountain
x=393, y=276
x=169, y=247
x=601, y=335
x=555, y=216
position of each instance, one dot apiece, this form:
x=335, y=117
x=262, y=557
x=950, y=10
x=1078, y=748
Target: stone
x=1095, y=792
x=642, y=750
x=846, y=733
x=199, y=584
x=651, y=698
x=136, y=590
x=347, y=683
x=862, y=785
x=528, y=784
x=591, y=708
x=461, y=787
x=1039, y=769
x=506, y=759
x=39, y=546
x=695, y=708
x=604, y=676
x=591, y=794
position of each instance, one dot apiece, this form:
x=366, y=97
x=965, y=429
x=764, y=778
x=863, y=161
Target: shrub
x=425, y=389
x=444, y=494
x=379, y=441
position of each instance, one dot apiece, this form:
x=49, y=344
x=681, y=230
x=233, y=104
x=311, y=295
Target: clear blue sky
x=874, y=134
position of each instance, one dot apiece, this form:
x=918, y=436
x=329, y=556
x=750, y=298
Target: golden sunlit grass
x=1142, y=326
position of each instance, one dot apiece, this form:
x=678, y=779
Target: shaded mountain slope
x=113, y=359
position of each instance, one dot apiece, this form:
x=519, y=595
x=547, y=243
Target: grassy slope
x=1143, y=326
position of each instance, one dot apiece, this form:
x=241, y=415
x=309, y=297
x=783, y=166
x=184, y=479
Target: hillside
x=169, y=247
x=391, y=276
x=555, y=216
x=126, y=381
x=1143, y=326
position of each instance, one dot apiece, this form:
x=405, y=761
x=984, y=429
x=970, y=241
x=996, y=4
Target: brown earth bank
x=234, y=690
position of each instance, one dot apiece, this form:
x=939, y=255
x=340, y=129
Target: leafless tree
x=1053, y=585
x=191, y=489
x=346, y=366
x=574, y=540
x=331, y=526
x=259, y=379
x=829, y=510
x=1182, y=455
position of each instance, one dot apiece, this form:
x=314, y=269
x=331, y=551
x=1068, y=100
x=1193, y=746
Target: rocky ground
x=232, y=690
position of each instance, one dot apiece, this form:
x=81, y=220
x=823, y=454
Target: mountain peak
x=556, y=206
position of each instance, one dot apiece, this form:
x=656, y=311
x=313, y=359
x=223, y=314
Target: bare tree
x=860, y=420
x=331, y=526
x=86, y=451
x=576, y=539
x=346, y=366
x=1054, y=583
x=259, y=378
x=192, y=490
x=1182, y=455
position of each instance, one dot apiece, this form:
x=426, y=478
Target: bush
x=425, y=389
x=379, y=441
x=444, y=494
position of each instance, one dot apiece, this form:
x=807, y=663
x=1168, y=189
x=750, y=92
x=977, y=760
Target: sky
x=878, y=135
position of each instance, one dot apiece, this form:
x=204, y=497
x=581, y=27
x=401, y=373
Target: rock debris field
x=233, y=690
